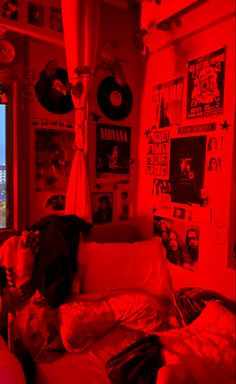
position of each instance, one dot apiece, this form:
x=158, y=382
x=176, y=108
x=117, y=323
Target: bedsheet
x=203, y=352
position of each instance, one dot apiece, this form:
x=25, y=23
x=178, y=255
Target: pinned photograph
x=102, y=207
x=56, y=202
x=35, y=14
x=181, y=241
x=54, y=152
x=214, y=143
x=10, y=9
x=179, y=212
x=214, y=164
x=55, y=19
x=124, y=206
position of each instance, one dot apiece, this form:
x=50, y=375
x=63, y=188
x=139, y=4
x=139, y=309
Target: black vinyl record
x=50, y=92
x=114, y=100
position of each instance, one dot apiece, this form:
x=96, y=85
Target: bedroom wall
x=200, y=30
x=44, y=123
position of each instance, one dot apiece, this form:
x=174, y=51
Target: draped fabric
x=80, y=22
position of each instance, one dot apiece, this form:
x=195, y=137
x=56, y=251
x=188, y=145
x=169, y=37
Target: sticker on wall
x=187, y=168
x=205, y=88
x=35, y=14
x=167, y=103
x=56, y=203
x=114, y=100
x=40, y=122
x=54, y=152
x=102, y=207
x=112, y=154
x=51, y=89
x=10, y=9
x=190, y=129
x=181, y=241
x=124, y=206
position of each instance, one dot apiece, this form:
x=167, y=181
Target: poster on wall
x=205, y=87
x=167, y=99
x=102, y=207
x=187, y=168
x=35, y=14
x=180, y=239
x=9, y=9
x=54, y=152
x=112, y=154
x=157, y=160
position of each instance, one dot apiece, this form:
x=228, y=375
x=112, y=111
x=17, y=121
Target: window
x=6, y=156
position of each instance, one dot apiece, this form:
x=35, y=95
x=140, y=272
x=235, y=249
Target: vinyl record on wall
x=50, y=89
x=114, y=100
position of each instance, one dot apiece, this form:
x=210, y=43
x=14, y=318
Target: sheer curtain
x=80, y=22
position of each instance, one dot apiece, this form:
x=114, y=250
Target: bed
x=113, y=306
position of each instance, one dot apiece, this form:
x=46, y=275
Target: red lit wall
x=199, y=31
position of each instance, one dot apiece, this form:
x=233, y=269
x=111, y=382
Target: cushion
x=107, y=267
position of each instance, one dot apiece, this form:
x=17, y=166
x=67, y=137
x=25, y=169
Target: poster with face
x=35, y=14
x=205, y=88
x=54, y=152
x=167, y=103
x=113, y=154
x=181, y=241
x=187, y=168
x=102, y=207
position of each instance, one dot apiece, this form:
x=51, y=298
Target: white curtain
x=80, y=23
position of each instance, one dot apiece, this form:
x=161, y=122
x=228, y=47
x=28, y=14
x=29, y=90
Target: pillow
x=107, y=267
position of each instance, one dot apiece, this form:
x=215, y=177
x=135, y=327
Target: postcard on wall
x=167, y=100
x=54, y=152
x=35, y=14
x=205, y=88
x=102, y=207
x=187, y=168
x=113, y=154
x=180, y=239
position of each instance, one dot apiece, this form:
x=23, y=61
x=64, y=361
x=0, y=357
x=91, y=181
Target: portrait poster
x=187, y=168
x=205, y=84
x=112, y=154
x=102, y=207
x=167, y=99
x=180, y=239
x=54, y=152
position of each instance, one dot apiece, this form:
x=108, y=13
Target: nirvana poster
x=167, y=99
x=113, y=154
x=205, y=89
x=187, y=166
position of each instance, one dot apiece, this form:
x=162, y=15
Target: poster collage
x=11, y=9
x=180, y=169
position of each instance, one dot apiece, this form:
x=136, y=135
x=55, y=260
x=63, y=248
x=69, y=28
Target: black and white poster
x=167, y=99
x=54, y=152
x=205, y=88
x=113, y=154
x=187, y=168
x=102, y=207
x=180, y=239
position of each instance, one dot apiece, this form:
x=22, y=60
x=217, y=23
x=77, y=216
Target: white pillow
x=105, y=267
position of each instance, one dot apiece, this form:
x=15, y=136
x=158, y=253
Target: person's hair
x=181, y=252
x=187, y=234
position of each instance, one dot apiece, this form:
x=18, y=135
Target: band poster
x=187, y=168
x=167, y=99
x=181, y=241
x=54, y=152
x=113, y=154
x=205, y=89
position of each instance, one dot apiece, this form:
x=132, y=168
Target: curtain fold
x=80, y=23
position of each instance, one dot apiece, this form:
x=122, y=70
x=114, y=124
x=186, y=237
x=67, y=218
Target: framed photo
x=55, y=19
x=35, y=14
x=102, y=207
